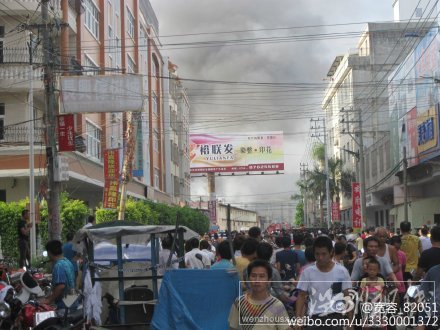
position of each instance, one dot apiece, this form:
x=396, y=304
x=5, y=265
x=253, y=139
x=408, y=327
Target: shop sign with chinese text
x=66, y=132
x=356, y=202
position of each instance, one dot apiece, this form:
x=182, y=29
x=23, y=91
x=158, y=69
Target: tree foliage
x=73, y=214
x=314, y=184
x=149, y=213
x=299, y=215
x=10, y=214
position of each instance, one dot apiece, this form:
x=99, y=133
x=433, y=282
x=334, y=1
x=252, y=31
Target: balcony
x=19, y=134
x=19, y=55
x=14, y=69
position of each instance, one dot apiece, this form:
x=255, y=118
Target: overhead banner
x=239, y=152
x=113, y=93
x=356, y=213
x=111, y=164
x=111, y=190
x=66, y=132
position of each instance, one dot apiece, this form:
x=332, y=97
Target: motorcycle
x=30, y=312
x=6, y=295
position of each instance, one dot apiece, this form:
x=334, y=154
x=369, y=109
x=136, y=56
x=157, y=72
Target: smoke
x=221, y=107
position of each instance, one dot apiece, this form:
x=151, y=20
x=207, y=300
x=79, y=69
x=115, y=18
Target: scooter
x=37, y=315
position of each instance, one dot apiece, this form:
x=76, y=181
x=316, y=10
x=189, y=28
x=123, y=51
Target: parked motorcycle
x=28, y=311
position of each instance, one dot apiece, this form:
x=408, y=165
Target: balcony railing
x=19, y=55
x=19, y=134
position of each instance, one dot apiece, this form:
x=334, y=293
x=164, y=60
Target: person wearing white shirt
x=205, y=247
x=195, y=258
x=164, y=255
x=90, y=222
x=424, y=239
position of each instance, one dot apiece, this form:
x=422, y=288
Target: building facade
x=109, y=37
x=176, y=108
x=414, y=132
x=357, y=93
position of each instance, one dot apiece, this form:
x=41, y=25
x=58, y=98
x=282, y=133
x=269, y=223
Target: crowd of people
x=302, y=266
x=292, y=273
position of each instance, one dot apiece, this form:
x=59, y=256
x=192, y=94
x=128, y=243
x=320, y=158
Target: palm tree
x=340, y=180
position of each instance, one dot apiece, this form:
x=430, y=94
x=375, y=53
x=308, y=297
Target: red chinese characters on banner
x=111, y=190
x=66, y=132
x=336, y=211
x=356, y=202
x=111, y=164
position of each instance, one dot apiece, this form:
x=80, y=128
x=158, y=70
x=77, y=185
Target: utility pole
x=303, y=175
x=128, y=163
x=363, y=181
x=359, y=140
x=322, y=131
x=33, y=234
x=54, y=187
x=327, y=179
x=405, y=185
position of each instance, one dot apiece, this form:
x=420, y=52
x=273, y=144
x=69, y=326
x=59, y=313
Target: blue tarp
x=195, y=299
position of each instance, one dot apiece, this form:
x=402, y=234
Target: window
x=111, y=42
x=90, y=67
x=93, y=141
x=131, y=66
x=110, y=13
x=118, y=52
x=2, y=35
x=130, y=23
x=156, y=178
x=155, y=68
x=2, y=121
x=3, y=195
x=374, y=163
x=381, y=159
x=91, y=18
x=387, y=155
x=155, y=105
x=156, y=140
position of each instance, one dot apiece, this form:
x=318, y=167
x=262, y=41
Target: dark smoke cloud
x=294, y=62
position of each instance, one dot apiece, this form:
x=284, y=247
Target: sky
x=287, y=46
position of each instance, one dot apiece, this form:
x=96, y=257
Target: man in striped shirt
x=257, y=308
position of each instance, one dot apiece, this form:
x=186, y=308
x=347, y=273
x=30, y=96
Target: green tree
x=315, y=182
x=10, y=214
x=299, y=215
x=73, y=214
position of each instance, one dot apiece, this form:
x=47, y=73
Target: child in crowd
x=401, y=290
x=372, y=289
x=373, y=284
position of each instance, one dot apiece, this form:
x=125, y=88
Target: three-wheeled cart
x=118, y=244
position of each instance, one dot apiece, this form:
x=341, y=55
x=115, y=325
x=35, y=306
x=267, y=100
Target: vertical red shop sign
x=111, y=175
x=66, y=132
x=111, y=191
x=356, y=202
x=111, y=164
